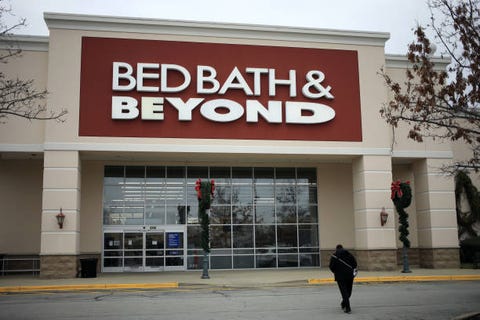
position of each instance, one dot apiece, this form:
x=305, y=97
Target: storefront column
x=61, y=191
x=436, y=215
x=375, y=245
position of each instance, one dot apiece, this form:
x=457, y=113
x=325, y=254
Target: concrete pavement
x=227, y=279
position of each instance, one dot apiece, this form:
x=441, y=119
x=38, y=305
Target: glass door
x=133, y=251
x=154, y=251
x=143, y=251
x=174, y=250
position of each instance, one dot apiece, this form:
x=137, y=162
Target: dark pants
x=345, y=287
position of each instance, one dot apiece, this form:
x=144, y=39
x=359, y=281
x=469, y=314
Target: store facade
x=285, y=121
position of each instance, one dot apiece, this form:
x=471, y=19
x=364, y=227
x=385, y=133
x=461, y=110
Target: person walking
x=344, y=267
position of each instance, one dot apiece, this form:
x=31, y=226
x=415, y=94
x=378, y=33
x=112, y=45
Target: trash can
x=88, y=268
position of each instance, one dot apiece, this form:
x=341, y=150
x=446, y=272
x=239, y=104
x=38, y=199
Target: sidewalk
x=226, y=279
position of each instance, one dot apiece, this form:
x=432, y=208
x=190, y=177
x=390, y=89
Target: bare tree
x=442, y=104
x=19, y=97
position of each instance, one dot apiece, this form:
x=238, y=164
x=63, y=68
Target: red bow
x=212, y=187
x=396, y=190
x=198, y=188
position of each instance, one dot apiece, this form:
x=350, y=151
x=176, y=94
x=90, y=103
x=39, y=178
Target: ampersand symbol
x=314, y=79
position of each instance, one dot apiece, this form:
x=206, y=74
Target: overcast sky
x=397, y=17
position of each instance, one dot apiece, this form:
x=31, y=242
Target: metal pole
x=205, y=265
x=406, y=268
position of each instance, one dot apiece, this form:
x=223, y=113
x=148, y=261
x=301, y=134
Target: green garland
x=402, y=198
x=204, y=194
x=463, y=183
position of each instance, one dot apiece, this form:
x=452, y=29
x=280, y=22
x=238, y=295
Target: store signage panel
x=167, y=89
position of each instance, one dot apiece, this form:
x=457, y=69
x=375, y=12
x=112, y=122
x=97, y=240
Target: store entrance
x=133, y=250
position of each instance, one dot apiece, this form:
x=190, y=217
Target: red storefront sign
x=167, y=89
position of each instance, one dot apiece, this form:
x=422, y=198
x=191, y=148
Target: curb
x=472, y=315
x=20, y=289
x=402, y=279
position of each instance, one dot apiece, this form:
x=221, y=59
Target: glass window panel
x=287, y=236
x=287, y=260
x=221, y=175
x=154, y=253
x=286, y=214
x=176, y=214
x=242, y=194
x=242, y=262
x=309, y=260
x=264, y=214
x=220, y=215
x=221, y=262
x=133, y=253
x=264, y=175
x=242, y=215
x=113, y=174
x=306, y=194
x=221, y=252
x=155, y=173
x=154, y=240
x=194, y=240
x=285, y=175
x=195, y=173
x=154, y=193
x=134, y=175
x=266, y=261
x=176, y=174
x=113, y=216
x=192, y=214
x=173, y=261
x=243, y=236
x=222, y=195
x=192, y=196
x=285, y=194
x=113, y=195
x=112, y=241
x=133, y=216
x=220, y=236
x=308, y=235
x=307, y=175
x=154, y=262
x=309, y=250
x=175, y=193
x=243, y=251
x=195, y=262
x=117, y=253
x=307, y=214
x=133, y=241
x=264, y=236
x=263, y=194
x=112, y=262
x=241, y=175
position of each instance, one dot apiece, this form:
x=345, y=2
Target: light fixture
x=60, y=219
x=383, y=217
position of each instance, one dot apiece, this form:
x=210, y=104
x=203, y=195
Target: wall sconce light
x=60, y=219
x=383, y=217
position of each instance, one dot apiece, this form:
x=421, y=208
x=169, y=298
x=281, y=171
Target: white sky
x=398, y=17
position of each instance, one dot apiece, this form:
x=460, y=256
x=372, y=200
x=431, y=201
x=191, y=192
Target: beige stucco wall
x=335, y=206
x=31, y=65
x=91, y=214
x=20, y=206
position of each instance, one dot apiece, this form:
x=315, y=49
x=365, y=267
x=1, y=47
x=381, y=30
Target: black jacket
x=341, y=270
